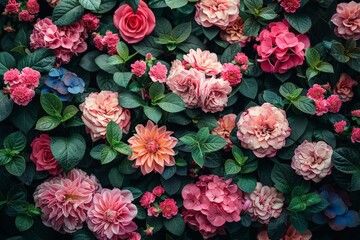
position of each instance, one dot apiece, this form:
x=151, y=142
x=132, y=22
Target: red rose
x=134, y=27
x=42, y=157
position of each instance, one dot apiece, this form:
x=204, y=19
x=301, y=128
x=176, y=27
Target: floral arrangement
x=179, y=119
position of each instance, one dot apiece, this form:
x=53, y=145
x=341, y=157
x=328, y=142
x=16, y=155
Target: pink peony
x=133, y=27
x=316, y=92
x=30, y=78
x=214, y=94
x=12, y=7
x=158, y=191
x=355, y=135
x=265, y=203
x=279, y=49
x=91, y=21
x=333, y=103
x=291, y=234
x=65, y=199
x=204, y=61
x=33, y=6
x=185, y=83
x=344, y=86
x=42, y=156
x=210, y=203
x=231, y=73
x=263, y=129
x=340, y=126
x=224, y=127
x=290, y=6
x=147, y=199
x=234, y=33
x=101, y=108
x=138, y=68
x=220, y=13
x=347, y=20
x=11, y=77
x=321, y=107
x=111, y=214
x=312, y=160
x=168, y=208
x=22, y=95
x=158, y=73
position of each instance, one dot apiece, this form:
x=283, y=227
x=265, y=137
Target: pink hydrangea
x=101, y=108
x=263, y=129
x=168, y=208
x=214, y=94
x=65, y=199
x=22, y=95
x=111, y=214
x=241, y=58
x=12, y=7
x=138, y=68
x=158, y=72
x=33, y=6
x=12, y=77
x=231, y=73
x=279, y=49
x=203, y=61
x=312, y=160
x=91, y=21
x=147, y=199
x=265, y=203
x=347, y=20
x=234, y=33
x=158, y=191
x=220, y=13
x=340, y=126
x=355, y=135
x=30, y=78
x=344, y=86
x=290, y=6
x=210, y=203
x=333, y=103
x=224, y=127
x=316, y=92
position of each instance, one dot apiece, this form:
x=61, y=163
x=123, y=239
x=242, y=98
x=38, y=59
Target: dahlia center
x=152, y=146
x=110, y=215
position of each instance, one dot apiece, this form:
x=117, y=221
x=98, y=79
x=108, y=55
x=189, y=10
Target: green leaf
x=134, y=4
x=202, y=135
x=208, y=121
x=253, y=4
x=105, y=81
x=113, y=133
x=189, y=139
x=87, y=62
x=168, y=172
x=325, y=135
x=277, y=226
x=355, y=182
x=15, y=141
x=191, y=43
x=297, y=205
x=354, y=64
x=16, y=166
x=321, y=206
x=172, y=103
x=135, y=191
x=299, y=21
x=286, y=90
x=298, y=126
x=310, y=73
x=6, y=106
x=92, y=5
x=346, y=160
x=163, y=26
x=51, y=104
x=232, y=167
x=338, y=52
x=103, y=62
x=198, y=156
x=122, y=50
x=213, y=143
x=230, y=53
x=68, y=151
x=23, y=222
x=24, y=118
x=107, y=155
x=126, y=167
x=156, y=89
x=267, y=13
x=176, y=3
x=153, y=113
x=130, y=100
x=299, y=222
x=122, y=78
x=249, y=87
x=148, y=45
x=181, y=32
x=67, y=12
x=5, y=157
x=312, y=57
x=115, y=178
x=284, y=178
x=312, y=199
x=271, y=97
x=69, y=112
x=7, y=61
x=325, y=67
x=249, y=165
x=122, y=148
x=210, y=32
x=176, y=225
x=95, y=151
x=105, y=6
x=251, y=27
x=247, y=183
x=47, y=123
x=41, y=60
x=305, y=105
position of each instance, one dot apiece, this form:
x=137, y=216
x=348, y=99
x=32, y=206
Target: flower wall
x=179, y=119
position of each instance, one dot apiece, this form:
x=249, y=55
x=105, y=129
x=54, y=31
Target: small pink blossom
x=12, y=7
x=138, y=68
x=33, y=6
x=316, y=92
x=321, y=107
x=333, y=103
x=234, y=33
x=356, y=113
x=340, y=126
x=110, y=40
x=25, y=16
x=344, y=86
x=147, y=199
x=290, y=6
x=241, y=58
x=22, y=95
x=231, y=73
x=91, y=21
x=11, y=77
x=158, y=191
x=355, y=135
x=168, y=208
x=158, y=72
x=153, y=211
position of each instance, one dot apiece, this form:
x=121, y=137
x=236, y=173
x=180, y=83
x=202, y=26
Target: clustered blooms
x=291, y=234
x=265, y=203
x=210, y=203
x=21, y=85
x=66, y=41
x=90, y=22
x=332, y=104
x=109, y=42
x=26, y=12
x=280, y=49
x=347, y=20
x=42, y=156
x=101, y=108
x=337, y=214
x=152, y=148
x=189, y=80
x=63, y=83
x=312, y=160
x=234, y=33
x=263, y=129
x=224, y=127
x=290, y=6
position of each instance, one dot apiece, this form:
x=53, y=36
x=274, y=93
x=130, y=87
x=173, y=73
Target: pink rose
x=344, y=86
x=101, y=108
x=134, y=27
x=204, y=61
x=214, y=95
x=347, y=20
x=42, y=156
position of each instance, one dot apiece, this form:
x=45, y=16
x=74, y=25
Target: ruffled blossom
x=203, y=61
x=234, y=33
x=344, y=86
x=347, y=20
x=291, y=234
x=224, y=127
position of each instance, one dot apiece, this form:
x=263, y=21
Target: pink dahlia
x=234, y=33
x=265, y=203
x=312, y=160
x=65, y=199
x=101, y=108
x=210, y=203
x=220, y=13
x=214, y=94
x=347, y=20
x=203, y=61
x=344, y=86
x=224, y=127
x=111, y=214
x=263, y=129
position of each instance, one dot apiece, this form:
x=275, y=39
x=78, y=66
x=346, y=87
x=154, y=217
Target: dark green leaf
x=198, y=156
x=5, y=157
x=134, y=4
x=338, y=52
x=135, y=191
x=7, y=61
x=130, y=100
x=213, y=143
x=189, y=139
x=15, y=141
x=172, y=103
x=346, y=160
x=51, y=104
x=148, y=45
x=69, y=112
x=47, y=123
x=284, y=178
x=122, y=148
x=67, y=12
x=312, y=57
x=156, y=89
x=6, y=106
x=163, y=26
x=175, y=3
x=41, y=60
x=107, y=155
x=267, y=13
x=232, y=167
x=153, y=113
x=113, y=133
x=181, y=32
x=325, y=135
x=24, y=118
x=210, y=32
x=122, y=78
x=168, y=172
x=92, y=5
x=87, y=62
x=176, y=225
x=105, y=6
x=325, y=67
x=23, y=222
x=299, y=222
x=305, y=105
x=208, y=121
x=103, y=62
x=247, y=183
x=251, y=27
x=16, y=166
x=249, y=87
x=230, y=53
x=300, y=21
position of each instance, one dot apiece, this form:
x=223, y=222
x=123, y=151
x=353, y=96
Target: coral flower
x=152, y=148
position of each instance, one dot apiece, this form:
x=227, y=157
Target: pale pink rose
x=204, y=61
x=42, y=156
x=111, y=214
x=133, y=27
x=185, y=83
x=347, y=20
x=101, y=108
x=344, y=86
x=214, y=94
x=235, y=33
x=158, y=73
x=225, y=125
x=22, y=95
x=220, y=13
x=265, y=203
x=65, y=199
x=312, y=160
x=263, y=129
